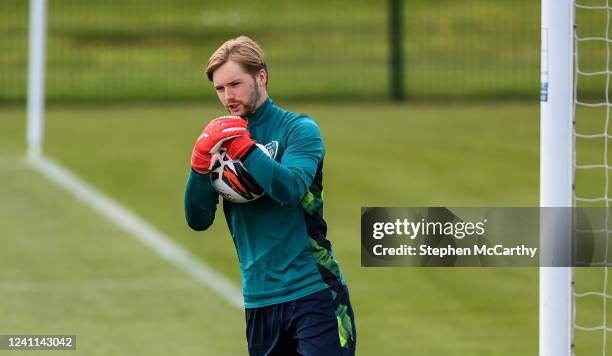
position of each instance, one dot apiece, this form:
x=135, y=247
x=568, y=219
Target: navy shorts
x=321, y=324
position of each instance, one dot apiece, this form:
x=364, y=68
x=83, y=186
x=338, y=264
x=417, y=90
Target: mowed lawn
x=478, y=154
x=65, y=270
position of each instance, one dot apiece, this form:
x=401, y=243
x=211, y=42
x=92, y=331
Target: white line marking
x=139, y=229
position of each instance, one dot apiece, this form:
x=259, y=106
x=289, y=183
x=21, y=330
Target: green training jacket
x=280, y=238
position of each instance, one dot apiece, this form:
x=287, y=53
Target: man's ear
x=262, y=78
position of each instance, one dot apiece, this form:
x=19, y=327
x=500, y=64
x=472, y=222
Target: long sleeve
x=287, y=181
x=200, y=201
x=280, y=238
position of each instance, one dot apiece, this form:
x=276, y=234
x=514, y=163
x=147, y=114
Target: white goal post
x=556, y=172
x=36, y=77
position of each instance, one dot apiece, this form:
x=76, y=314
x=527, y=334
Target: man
x=295, y=298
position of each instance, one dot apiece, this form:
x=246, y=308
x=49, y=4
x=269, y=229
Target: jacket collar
x=261, y=112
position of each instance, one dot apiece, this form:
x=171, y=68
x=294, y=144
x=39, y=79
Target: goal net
x=575, y=171
x=591, y=294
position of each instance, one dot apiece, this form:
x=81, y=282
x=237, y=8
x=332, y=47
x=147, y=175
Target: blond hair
x=241, y=50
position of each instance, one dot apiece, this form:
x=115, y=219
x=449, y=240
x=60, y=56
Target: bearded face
x=239, y=92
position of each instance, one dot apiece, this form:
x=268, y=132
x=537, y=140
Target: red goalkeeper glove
x=216, y=132
x=239, y=147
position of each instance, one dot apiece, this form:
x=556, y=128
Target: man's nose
x=229, y=94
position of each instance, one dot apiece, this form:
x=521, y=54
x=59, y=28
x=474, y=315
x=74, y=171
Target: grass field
x=65, y=270
x=461, y=155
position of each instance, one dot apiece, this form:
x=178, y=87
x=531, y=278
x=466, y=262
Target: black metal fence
x=324, y=50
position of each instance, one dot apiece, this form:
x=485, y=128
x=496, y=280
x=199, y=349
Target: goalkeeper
x=295, y=297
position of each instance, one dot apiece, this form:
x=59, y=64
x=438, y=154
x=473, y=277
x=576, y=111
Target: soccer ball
x=231, y=179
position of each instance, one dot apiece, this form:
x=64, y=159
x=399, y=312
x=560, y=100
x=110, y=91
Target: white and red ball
x=231, y=179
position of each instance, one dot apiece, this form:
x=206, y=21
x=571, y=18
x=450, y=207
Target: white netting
x=590, y=285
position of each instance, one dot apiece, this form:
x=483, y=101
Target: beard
x=249, y=105
x=253, y=100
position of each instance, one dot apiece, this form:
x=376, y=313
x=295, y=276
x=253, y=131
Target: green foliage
x=143, y=50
